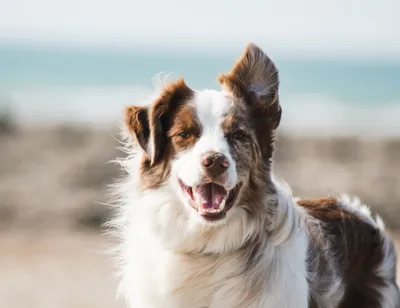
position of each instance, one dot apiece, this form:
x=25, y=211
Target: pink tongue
x=209, y=196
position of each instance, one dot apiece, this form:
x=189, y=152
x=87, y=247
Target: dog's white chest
x=169, y=280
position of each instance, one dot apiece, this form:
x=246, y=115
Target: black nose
x=215, y=164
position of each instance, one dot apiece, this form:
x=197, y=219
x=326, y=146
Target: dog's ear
x=149, y=125
x=137, y=121
x=255, y=79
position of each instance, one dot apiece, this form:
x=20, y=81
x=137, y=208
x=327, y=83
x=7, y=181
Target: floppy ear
x=149, y=125
x=137, y=121
x=255, y=79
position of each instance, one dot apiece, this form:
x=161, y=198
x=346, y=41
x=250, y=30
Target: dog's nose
x=215, y=163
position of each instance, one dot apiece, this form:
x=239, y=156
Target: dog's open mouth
x=210, y=200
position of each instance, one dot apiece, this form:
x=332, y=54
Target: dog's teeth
x=208, y=211
x=222, y=205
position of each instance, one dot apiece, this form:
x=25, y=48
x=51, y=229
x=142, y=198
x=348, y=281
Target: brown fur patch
x=250, y=126
x=185, y=130
x=160, y=125
x=253, y=84
x=354, y=249
x=136, y=119
x=161, y=115
x=327, y=209
x=255, y=79
x=251, y=146
x=239, y=131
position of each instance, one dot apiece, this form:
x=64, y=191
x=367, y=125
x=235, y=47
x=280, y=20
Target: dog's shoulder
x=353, y=234
x=344, y=234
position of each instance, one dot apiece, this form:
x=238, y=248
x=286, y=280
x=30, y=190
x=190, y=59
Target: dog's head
x=213, y=149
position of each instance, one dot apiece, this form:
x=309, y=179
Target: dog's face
x=212, y=148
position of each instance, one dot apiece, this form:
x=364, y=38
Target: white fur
x=354, y=206
x=390, y=292
x=390, y=296
x=157, y=271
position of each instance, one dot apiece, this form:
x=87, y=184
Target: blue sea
x=320, y=97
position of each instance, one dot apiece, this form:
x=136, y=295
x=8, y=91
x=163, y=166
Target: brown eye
x=184, y=135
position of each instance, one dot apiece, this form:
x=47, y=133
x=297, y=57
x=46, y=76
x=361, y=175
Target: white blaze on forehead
x=211, y=105
x=211, y=109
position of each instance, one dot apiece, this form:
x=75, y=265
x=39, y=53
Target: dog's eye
x=239, y=135
x=184, y=135
x=236, y=136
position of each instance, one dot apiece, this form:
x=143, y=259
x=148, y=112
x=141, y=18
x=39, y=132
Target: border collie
x=202, y=223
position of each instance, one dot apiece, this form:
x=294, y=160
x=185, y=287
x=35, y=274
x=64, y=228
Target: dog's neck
x=270, y=227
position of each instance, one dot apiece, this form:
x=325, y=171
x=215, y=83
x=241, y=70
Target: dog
x=201, y=221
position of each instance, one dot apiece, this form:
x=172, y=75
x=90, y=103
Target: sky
x=341, y=27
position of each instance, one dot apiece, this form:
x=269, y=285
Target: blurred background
x=68, y=69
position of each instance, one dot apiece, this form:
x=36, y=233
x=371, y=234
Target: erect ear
x=255, y=79
x=149, y=125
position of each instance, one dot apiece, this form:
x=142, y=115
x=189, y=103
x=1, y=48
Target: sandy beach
x=55, y=269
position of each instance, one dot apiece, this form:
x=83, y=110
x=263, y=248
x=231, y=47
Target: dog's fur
x=265, y=248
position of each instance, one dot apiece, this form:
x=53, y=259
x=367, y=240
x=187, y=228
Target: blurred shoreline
x=56, y=176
